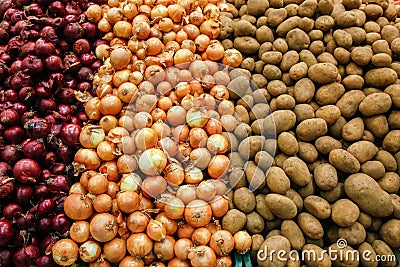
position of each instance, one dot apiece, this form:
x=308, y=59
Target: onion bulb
x=152, y=161
x=156, y=231
x=139, y=245
x=103, y=227
x=89, y=251
x=198, y=213
x=65, y=252
x=222, y=242
x=91, y=136
x=202, y=256
x=242, y=241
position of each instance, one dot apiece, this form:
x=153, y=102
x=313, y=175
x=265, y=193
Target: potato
x=254, y=223
x=324, y=23
x=380, y=77
x=336, y=129
x=345, y=212
x=276, y=243
x=297, y=171
x=256, y=8
x=241, y=114
x=391, y=141
x=325, y=176
x=237, y=178
x=396, y=205
x=329, y=113
x=365, y=220
x=307, y=152
x=304, y=90
x=283, y=207
x=234, y=221
x=310, y=225
x=288, y=144
x=248, y=64
x=285, y=101
x=367, y=261
x=318, y=207
x=367, y=194
x=342, y=38
x=293, y=233
x=387, y=160
x=280, y=45
x=250, y=146
x=297, y=39
x=279, y=121
x=346, y=19
x=289, y=59
x=373, y=168
x=353, y=82
x=265, y=47
x=354, y=235
x=276, y=16
x=381, y=60
x=238, y=86
x=362, y=55
x=358, y=35
x=373, y=11
x=264, y=34
x=261, y=95
x=323, y=73
x=244, y=28
x=344, y=161
x=287, y=25
x=325, y=144
x=390, y=233
x=349, y=103
x=308, y=8
x=298, y=71
x=255, y=176
x=394, y=92
x=311, y=129
x=349, y=261
x=277, y=181
x=384, y=251
x=390, y=182
x=363, y=150
x=272, y=57
x=329, y=93
x=353, y=130
x=378, y=125
x=244, y=200
x=306, y=24
x=235, y=160
x=227, y=25
x=307, y=190
x=319, y=259
x=246, y=44
x=262, y=208
x=256, y=243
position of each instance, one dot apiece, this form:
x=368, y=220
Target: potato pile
x=330, y=73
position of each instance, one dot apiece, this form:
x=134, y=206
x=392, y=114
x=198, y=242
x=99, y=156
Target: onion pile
x=152, y=163
x=45, y=59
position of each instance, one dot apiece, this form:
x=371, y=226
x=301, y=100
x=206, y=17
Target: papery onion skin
x=103, y=227
x=222, y=242
x=115, y=250
x=139, y=245
x=78, y=207
x=137, y=222
x=243, y=242
x=152, y=161
x=79, y=231
x=198, y=213
x=89, y=251
x=65, y=252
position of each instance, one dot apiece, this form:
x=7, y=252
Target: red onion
x=25, y=256
x=87, y=59
x=96, y=65
x=33, y=64
x=49, y=34
x=90, y=29
x=58, y=168
x=45, y=207
x=6, y=58
x=26, y=221
x=58, y=183
x=65, y=154
x=4, y=71
x=14, y=135
x=43, y=91
x=5, y=168
x=9, y=117
x=5, y=257
x=71, y=63
x=71, y=18
x=6, y=186
x=26, y=171
x=46, y=174
x=14, y=45
x=81, y=46
x=11, y=210
x=70, y=134
x=47, y=243
x=23, y=194
x=4, y=36
x=11, y=95
x=45, y=261
x=33, y=9
x=56, y=9
x=54, y=63
x=85, y=74
x=27, y=116
x=42, y=191
x=20, y=108
x=66, y=95
x=6, y=232
x=4, y=6
x=34, y=149
x=61, y=223
x=84, y=86
x=73, y=31
x=20, y=80
x=66, y=110
x=27, y=95
x=49, y=159
x=44, y=48
x=37, y=128
x=44, y=225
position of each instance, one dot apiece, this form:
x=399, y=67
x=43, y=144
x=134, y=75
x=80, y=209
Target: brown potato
x=297, y=171
x=277, y=181
x=255, y=176
x=283, y=207
x=380, y=77
x=311, y=129
x=345, y=212
x=354, y=235
x=387, y=160
x=362, y=55
x=366, y=249
x=254, y=223
x=234, y=221
x=287, y=25
x=329, y=113
x=310, y=225
x=334, y=194
x=353, y=130
x=276, y=243
x=318, y=207
x=326, y=144
x=307, y=152
x=349, y=103
x=373, y=168
x=329, y=93
x=323, y=73
x=244, y=200
x=363, y=150
x=262, y=208
x=384, y=251
x=378, y=125
x=293, y=233
x=391, y=141
x=390, y=233
x=390, y=182
x=325, y=176
x=366, y=192
x=344, y=161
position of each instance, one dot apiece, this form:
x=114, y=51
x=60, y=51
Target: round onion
x=91, y=136
x=78, y=207
x=89, y=251
x=201, y=236
x=242, y=241
x=103, y=227
x=115, y=250
x=65, y=252
x=202, y=256
x=139, y=245
x=156, y=230
x=152, y=161
x=222, y=242
x=182, y=247
x=174, y=208
x=198, y=213
x=79, y=231
x=137, y=222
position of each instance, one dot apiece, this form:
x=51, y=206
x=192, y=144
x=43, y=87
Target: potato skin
x=318, y=207
x=311, y=129
x=234, y=221
x=283, y=207
x=344, y=161
x=368, y=195
x=310, y=225
x=297, y=170
x=293, y=233
x=277, y=243
x=323, y=73
x=244, y=200
x=277, y=181
x=376, y=103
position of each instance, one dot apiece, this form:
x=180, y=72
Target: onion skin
x=6, y=232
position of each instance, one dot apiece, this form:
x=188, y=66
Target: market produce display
x=193, y=132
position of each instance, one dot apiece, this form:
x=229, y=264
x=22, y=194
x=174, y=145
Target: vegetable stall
x=199, y=132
